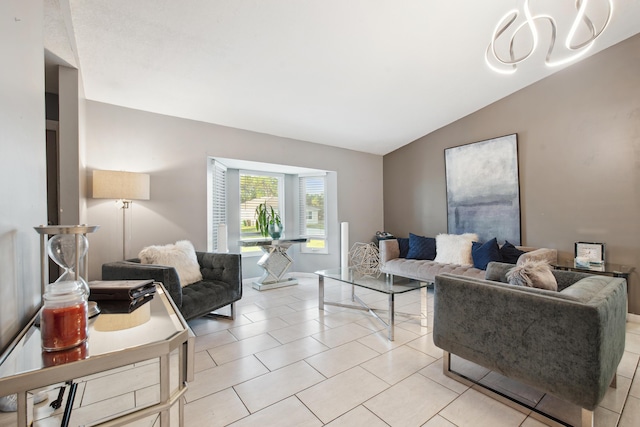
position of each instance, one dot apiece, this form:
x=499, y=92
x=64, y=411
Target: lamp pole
x=125, y=206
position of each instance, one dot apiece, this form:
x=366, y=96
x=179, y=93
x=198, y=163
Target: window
x=217, y=201
x=306, y=197
x=257, y=188
x=313, y=212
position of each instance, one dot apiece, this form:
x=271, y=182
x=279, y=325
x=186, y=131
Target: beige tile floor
x=283, y=362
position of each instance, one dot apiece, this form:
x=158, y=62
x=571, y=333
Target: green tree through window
x=256, y=188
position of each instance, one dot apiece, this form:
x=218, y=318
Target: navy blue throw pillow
x=484, y=253
x=403, y=243
x=421, y=247
x=510, y=253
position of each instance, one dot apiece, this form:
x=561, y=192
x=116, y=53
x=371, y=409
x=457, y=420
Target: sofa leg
x=231, y=316
x=587, y=418
x=614, y=381
x=446, y=370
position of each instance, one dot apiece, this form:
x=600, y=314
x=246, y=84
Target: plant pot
x=275, y=231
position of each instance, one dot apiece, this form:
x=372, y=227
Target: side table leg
x=391, y=316
x=321, y=292
x=69, y=405
x=165, y=391
x=22, y=408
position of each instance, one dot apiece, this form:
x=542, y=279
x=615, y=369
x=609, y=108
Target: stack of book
x=123, y=304
x=121, y=296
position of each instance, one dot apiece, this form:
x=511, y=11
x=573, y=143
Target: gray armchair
x=221, y=284
x=567, y=343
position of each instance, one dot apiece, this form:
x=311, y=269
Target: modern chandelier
x=517, y=35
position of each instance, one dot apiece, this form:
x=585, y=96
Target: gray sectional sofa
x=566, y=343
x=426, y=271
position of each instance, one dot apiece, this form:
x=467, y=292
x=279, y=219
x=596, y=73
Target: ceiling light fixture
x=507, y=38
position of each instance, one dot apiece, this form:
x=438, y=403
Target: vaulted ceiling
x=370, y=76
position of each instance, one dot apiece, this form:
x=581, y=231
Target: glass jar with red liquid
x=63, y=318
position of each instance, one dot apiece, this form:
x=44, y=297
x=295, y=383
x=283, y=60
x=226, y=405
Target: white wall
x=22, y=163
x=174, y=152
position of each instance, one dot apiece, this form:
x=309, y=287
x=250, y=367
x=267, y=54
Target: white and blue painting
x=483, y=190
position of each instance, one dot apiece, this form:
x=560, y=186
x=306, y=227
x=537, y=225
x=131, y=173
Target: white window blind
x=313, y=212
x=218, y=199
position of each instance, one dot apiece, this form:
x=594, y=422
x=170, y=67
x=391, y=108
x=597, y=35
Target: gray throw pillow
x=534, y=274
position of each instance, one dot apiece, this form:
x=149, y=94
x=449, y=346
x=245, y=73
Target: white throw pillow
x=181, y=256
x=455, y=248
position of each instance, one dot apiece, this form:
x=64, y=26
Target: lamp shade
x=120, y=185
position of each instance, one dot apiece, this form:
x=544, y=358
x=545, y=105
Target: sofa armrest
x=554, y=342
x=131, y=270
x=389, y=249
x=221, y=267
x=541, y=254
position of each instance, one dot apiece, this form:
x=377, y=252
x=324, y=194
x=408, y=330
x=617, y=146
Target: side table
x=275, y=262
x=24, y=367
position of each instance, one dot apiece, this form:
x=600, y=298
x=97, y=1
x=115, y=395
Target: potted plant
x=268, y=221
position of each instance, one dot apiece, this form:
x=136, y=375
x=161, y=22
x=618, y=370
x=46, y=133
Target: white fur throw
x=181, y=256
x=533, y=273
x=455, y=248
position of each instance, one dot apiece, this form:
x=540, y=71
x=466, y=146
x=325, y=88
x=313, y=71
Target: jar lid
x=63, y=288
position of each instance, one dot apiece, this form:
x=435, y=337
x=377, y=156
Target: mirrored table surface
x=153, y=330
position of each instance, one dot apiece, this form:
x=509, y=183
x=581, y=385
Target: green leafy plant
x=266, y=215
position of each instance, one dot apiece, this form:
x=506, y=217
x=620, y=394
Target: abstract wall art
x=483, y=189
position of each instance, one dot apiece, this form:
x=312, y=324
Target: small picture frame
x=591, y=251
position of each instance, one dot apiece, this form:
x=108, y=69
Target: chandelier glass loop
x=517, y=24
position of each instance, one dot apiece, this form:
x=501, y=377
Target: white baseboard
x=635, y=318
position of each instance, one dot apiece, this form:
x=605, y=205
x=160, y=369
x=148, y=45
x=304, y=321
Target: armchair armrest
x=131, y=270
x=221, y=267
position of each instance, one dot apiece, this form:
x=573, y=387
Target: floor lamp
x=124, y=187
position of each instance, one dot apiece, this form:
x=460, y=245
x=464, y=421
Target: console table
x=24, y=367
x=607, y=269
x=275, y=262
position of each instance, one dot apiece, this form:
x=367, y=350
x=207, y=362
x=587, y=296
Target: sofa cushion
x=535, y=274
x=421, y=247
x=426, y=271
x=181, y=256
x=403, y=245
x=455, y=248
x=510, y=253
x=484, y=253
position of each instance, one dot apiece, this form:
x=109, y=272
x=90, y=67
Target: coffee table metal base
x=390, y=322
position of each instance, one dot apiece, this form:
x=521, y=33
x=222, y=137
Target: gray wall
x=579, y=150
x=174, y=152
x=22, y=163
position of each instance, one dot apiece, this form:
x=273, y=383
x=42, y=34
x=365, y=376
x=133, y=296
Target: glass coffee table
x=386, y=284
